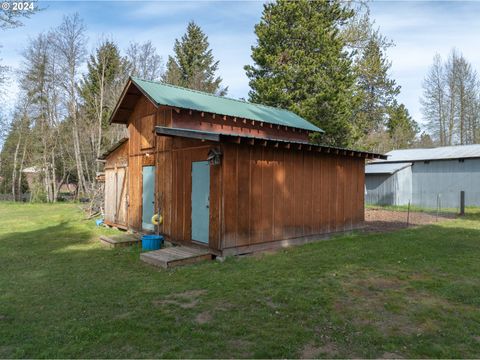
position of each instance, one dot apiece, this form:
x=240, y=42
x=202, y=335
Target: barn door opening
x=148, y=197
x=200, y=201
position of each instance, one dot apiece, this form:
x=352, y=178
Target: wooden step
x=175, y=256
x=120, y=240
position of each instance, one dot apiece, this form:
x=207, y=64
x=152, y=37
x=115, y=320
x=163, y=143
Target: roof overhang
x=385, y=168
x=251, y=140
x=126, y=103
x=112, y=149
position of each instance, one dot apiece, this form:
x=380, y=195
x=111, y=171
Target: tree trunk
x=14, y=171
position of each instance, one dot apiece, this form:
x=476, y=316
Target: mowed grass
x=412, y=293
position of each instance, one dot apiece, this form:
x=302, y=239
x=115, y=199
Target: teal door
x=148, y=199
x=200, y=201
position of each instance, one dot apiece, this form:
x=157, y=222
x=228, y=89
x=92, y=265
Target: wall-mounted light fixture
x=214, y=156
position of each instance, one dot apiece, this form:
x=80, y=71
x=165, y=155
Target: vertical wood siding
x=273, y=194
x=183, y=154
x=116, y=187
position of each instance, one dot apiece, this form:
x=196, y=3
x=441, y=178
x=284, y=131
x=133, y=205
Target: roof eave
x=237, y=138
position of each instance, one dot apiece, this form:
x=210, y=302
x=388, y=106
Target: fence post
x=408, y=213
x=462, y=203
x=438, y=205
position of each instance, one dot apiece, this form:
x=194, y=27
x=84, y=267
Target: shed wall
x=272, y=194
x=116, y=187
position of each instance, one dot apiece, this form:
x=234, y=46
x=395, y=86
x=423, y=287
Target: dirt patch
x=122, y=316
x=389, y=355
x=241, y=348
x=186, y=300
x=377, y=301
x=387, y=304
x=311, y=351
x=380, y=220
x=269, y=302
x=203, y=318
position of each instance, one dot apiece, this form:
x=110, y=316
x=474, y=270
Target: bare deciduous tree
x=450, y=101
x=69, y=41
x=144, y=61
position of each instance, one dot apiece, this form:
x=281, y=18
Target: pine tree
x=401, y=127
x=193, y=65
x=376, y=92
x=300, y=64
x=104, y=75
x=100, y=88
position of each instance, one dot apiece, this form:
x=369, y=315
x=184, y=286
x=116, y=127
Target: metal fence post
x=408, y=213
x=462, y=202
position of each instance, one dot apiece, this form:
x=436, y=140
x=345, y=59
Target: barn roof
x=169, y=95
x=438, y=153
x=113, y=148
x=385, y=167
x=253, y=140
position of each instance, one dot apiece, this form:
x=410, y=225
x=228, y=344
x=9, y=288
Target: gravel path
x=379, y=220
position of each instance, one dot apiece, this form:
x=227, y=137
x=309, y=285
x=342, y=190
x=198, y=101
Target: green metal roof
x=164, y=94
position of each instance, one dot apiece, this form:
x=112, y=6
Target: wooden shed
x=228, y=175
x=116, y=184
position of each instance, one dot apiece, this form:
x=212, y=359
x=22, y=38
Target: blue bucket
x=152, y=242
x=99, y=222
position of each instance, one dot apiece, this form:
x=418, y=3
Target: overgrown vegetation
x=412, y=293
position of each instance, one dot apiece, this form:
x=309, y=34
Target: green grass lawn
x=412, y=293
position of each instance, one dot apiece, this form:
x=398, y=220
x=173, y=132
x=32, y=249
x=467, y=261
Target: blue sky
x=419, y=30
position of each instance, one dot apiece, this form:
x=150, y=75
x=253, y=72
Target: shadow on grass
x=66, y=296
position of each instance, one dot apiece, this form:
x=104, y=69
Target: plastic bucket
x=152, y=242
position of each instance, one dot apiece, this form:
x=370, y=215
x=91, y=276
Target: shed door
x=121, y=203
x=148, y=200
x=200, y=200
x=110, y=196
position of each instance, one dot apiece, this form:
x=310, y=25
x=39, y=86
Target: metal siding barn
x=445, y=179
x=436, y=177
x=388, y=184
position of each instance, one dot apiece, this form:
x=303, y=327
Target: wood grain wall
x=184, y=152
x=116, y=187
x=257, y=196
x=273, y=194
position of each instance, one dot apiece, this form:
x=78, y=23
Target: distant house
x=425, y=177
x=224, y=174
x=31, y=174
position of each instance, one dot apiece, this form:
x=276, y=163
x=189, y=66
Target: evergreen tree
x=376, y=92
x=100, y=88
x=105, y=73
x=401, y=127
x=300, y=64
x=193, y=65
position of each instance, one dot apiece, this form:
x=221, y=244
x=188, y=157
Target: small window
x=426, y=162
x=461, y=160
